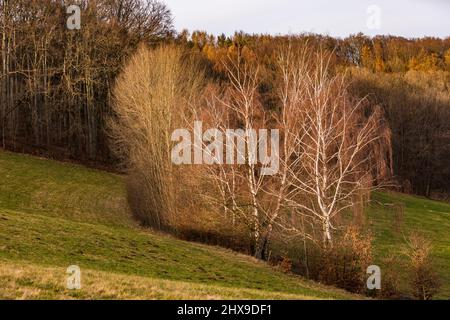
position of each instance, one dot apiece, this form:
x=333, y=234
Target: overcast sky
x=409, y=18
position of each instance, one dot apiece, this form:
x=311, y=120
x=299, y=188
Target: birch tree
x=329, y=155
x=241, y=183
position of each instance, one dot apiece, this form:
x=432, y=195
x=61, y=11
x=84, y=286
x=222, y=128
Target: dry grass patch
x=22, y=281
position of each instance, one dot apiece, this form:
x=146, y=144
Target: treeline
x=378, y=54
x=417, y=105
x=56, y=83
x=409, y=78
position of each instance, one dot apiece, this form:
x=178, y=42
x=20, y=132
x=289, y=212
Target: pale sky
x=408, y=18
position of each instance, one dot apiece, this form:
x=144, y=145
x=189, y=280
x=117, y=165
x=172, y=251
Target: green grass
x=53, y=215
x=430, y=218
x=33, y=185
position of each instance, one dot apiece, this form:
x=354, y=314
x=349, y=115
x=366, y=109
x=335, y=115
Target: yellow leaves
x=218, y=54
x=447, y=58
x=380, y=66
x=424, y=62
x=210, y=52
x=367, y=57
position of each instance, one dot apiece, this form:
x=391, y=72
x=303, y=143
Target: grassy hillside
x=431, y=218
x=53, y=215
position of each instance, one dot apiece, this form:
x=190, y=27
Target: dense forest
x=56, y=83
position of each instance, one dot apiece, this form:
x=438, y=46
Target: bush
x=151, y=100
x=390, y=279
x=424, y=280
x=344, y=264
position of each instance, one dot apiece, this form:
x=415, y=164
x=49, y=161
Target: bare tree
x=328, y=156
x=55, y=83
x=240, y=185
x=150, y=102
x=327, y=153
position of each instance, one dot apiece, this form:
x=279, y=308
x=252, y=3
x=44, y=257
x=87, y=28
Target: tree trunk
x=326, y=229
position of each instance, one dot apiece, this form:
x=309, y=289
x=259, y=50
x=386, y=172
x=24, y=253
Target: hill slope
x=53, y=215
x=430, y=218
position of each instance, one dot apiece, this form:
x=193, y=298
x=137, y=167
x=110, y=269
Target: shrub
x=151, y=100
x=390, y=279
x=344, y=264
x=424, y=280
x=286, y=264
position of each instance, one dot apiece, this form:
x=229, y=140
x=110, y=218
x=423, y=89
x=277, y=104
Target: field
x=427, y=217
x=53, y=215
